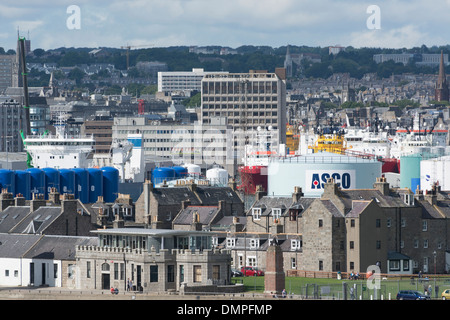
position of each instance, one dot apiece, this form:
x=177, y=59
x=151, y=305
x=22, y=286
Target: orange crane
x=128, y=51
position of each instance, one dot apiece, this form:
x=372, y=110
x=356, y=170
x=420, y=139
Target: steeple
x=441, y=89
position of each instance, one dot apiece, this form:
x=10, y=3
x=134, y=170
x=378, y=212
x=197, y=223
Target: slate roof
x=439, y=211
x=11, y=216
x=284, y=203
x=37, y=221
x=59, y=247
x=332, y=208
x=16, y=245
x=357, y=209
x=169, y=196
x=393, y=200
x=206, y=214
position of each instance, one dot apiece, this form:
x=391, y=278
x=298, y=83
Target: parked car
x=252, y=271
x=411, y=295
x=236, y=273
x=446, y=294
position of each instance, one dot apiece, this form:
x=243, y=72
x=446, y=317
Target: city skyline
x=163, y=23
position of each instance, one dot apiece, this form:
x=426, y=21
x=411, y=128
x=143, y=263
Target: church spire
x=441, y=89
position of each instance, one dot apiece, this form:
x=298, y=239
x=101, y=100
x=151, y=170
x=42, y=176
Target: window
x=256, y=213
x=71, y=271
x=403, y=223
x=88, y=269
x=116, y=271
x=320, y=265
x=352, y=245
x=231, y=242
x=296, y=244
x=425, y=244
x=216, y=272
x=320, y=223
x=197, y=273
x=170, y=273
x=153, y=273
x=378, y=244
x=181, y=273
x=293, y=263
x=378, y=223
x=405, y=265
x=394, y=265
x=352, y=223
x=276, y=214
x=388, y=223
x=424, y=225
x=55, y=271
x=254, y=243
x=416, y=243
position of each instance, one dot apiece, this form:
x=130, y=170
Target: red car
x=251, y=271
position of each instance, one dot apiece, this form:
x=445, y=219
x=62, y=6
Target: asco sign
x=315, y=179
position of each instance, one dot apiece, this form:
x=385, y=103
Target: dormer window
x=408, y=199
x=276, y=213
x=254, y=243
x=256, y=213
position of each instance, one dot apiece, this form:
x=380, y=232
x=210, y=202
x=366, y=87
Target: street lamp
x=434, y=255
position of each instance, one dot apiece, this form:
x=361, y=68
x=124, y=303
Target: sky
x=51, y=24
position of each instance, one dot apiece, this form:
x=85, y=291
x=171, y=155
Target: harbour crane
x=26, y=98
x=127, y=47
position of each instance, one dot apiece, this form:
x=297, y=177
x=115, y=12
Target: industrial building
x=182, y=81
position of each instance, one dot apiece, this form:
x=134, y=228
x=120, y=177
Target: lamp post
x=434, y=255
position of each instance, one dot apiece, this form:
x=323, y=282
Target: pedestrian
x=128, y=285
x=283, y=293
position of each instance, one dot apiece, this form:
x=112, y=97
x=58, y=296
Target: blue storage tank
x=37, y=180
x=95, y=184
x=110, y=183
x=23, y=183
x=180, y=172
x=8, y=180
x=67, y=181
x=161, y=174
x=51, y=180
x=81, y=184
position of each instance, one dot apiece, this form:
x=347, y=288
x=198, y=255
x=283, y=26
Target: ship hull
x=251, y=177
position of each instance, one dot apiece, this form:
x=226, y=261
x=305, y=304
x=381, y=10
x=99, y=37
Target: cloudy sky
x=233, y=23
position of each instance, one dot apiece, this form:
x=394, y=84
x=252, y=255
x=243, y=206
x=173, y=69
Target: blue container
x=8, y=180
x=67, y=181
x=23, y=183
x=95, y=184
x=81, y=184
x=161, y=174
x=51, y=180
x=180, y=172
x=37, y=180
x=110, y=184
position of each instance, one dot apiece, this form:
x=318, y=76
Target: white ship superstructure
x=60, y=150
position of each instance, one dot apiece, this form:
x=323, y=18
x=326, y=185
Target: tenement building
x=349, y=231
x=154, y=260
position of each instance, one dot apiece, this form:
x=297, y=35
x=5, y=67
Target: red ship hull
x=252, y=176
x=390, y=165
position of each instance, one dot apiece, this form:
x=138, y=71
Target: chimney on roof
x=382, y=185
x=232, y=184
x=330, y=188
x=6, y=199
x=259, y=192
x=37, y=201
x=297, y=194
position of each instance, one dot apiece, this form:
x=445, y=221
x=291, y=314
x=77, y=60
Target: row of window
x=119, y=272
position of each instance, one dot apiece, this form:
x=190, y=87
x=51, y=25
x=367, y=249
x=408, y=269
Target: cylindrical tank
x=410, y=173
x=37, y=180
x=67, y=181
x=110, y=183
x=95, y=184
x=194, y=170
x=312, y=171
x=180, y=172
x=81, y=184
x=51, y=180
x=435, y=171
x=160, y=175
x=8, y=180
x=217, y=176
x=23, y=183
